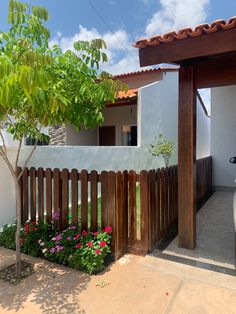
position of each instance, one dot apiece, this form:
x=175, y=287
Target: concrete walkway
x=132, y=285
x=215, y=234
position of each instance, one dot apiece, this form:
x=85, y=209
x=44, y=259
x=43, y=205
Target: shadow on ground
x=51, y=289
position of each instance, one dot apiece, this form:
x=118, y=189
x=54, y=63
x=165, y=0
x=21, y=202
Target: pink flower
x=95, y=234
x=68, y=238
x=73, y=227
x=84, y=233
x=89, y=244
x=103, y=243
x=98, y=252
x=56, y=215
x=77, y=236
x=78, y=246
x=108, y=229
x=52, y=250
x=58, y=238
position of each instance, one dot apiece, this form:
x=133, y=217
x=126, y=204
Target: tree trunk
x=18, y=228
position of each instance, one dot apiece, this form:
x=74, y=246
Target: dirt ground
x=131, y=285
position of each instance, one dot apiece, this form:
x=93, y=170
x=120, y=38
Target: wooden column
x=187, y=159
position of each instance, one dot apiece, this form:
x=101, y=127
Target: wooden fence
x=141, y=208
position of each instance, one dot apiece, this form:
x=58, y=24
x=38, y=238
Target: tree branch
x=7, y=161
x=3, y=141
x=18, y=154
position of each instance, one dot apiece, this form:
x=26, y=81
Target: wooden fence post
x=145, y=210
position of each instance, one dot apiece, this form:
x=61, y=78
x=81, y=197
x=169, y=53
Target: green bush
x=85, y=251
x=7, y=236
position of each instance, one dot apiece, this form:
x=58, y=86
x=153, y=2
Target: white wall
x=7, y=196
x=158, y=111
x=83, y=137
x=223, y=135
x=203, y=132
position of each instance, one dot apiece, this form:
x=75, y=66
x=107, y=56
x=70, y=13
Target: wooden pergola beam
x=190, y=48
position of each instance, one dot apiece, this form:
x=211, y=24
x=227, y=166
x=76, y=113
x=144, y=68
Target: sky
x=121, y=23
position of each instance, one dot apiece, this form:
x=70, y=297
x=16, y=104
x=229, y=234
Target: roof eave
x=179, y=51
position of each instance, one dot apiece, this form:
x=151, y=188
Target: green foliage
x=30, y=235
x=7, y=236
x=162, y=147
x=40, y=86
x=85, y=251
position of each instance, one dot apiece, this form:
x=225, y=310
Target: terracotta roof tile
x=200, y=30
x=160, y=69
x=127, y=95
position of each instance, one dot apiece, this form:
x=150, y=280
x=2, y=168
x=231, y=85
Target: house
x=207, y=59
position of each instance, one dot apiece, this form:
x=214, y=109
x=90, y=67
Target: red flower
x=108, y=229
x=103, y=243
x=84, y=233
x=33, y=222
x=98, y=252
x=77, y=236
x=35, y=229
x=78, y=246
x=89, y=244
x=103, y=230
x=95, y=234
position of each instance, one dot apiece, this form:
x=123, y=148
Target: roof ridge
x=187, y=32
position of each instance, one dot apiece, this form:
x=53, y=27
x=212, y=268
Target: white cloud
x=176, y=14
x=122, y=56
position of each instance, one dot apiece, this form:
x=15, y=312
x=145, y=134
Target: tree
x=40, y=86
x=162, y=147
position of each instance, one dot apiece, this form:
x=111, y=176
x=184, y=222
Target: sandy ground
x=132, y=285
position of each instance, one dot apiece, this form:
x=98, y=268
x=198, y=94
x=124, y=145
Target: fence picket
x=40, y=195
x=32, y=175
x=94, y=201
x=84, y=199
x=74, y=197
x=64, y=198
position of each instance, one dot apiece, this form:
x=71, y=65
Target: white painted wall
x=203, y=132
x=158, y=111
x=83, y=137
x=7, y=196
x=223, y=135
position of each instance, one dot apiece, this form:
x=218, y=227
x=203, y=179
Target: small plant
x=7, y=236
x=31, y=235
x=163, y=147
x=84, y=251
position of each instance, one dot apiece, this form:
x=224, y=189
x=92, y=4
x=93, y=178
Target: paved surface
x=215, y=233
x=135, y=285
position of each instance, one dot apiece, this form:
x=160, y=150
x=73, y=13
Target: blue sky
x=129, y=20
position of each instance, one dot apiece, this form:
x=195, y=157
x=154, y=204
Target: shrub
x=85, y=251
x=33, y=235
x=7, y=236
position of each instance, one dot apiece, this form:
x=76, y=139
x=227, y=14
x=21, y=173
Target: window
x=129, y=135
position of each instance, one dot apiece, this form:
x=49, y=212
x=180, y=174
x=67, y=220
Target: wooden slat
x=119, y=218
x=48, y=175
x=32, y=194
x=84, y=199
x=145, y=213
x=132, y=207
x=94, y=200
x=25, y=189
x=157, y=202
x=153, y=226
x=111, y=205
x=57, y=196
x=40, y=195
x=20, y=182
x=125, y=234
x=104, y=197
x=65, y=198
x=162, y=202
x=74, y=196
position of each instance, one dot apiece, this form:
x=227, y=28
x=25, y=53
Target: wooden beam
x=219, y=71
x=186, y=49
x=187, y=159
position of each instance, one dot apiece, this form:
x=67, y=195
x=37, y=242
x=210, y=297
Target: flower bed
x=85, y=251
